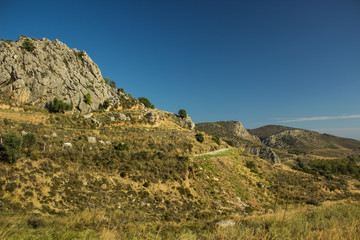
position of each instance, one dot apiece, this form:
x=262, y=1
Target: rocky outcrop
x=52, y=70
x=186, y=123
x=264, y=153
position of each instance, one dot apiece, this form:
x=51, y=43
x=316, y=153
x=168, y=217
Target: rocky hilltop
x=306, y=141
x=35, y=71
x=228, y=129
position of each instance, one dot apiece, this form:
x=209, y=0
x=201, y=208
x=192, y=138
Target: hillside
x=127, y=171
x=306, y=142
x=236, y=135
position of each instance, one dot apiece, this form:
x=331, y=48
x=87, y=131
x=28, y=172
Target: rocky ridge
x=51, y=69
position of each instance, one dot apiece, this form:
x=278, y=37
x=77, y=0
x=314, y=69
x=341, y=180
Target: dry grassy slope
x=151, y=180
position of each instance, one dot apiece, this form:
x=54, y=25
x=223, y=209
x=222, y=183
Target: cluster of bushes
x=13, y=144
x=28, y=45
x=146, y=102
x=110, y=82
x=59, y=106
x=329, y=167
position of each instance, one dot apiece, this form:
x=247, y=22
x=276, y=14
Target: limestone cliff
x=48, y=69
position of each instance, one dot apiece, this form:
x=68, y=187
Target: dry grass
x=331, y=221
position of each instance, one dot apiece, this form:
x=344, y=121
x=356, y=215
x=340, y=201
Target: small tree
x=182, y=113
x=106, y=104
x=199, y=137
x=10, y=149
x=59, y=106
x=146, y=102
x=28, y=45
x=87, y=99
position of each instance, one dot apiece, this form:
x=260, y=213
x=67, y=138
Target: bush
x=87, y=99
x=29, y=140
x=146, y=102
x=182, y=113
x=10, y=149
x=199, y=137
x=121, y=147
x=59, y=106
x=106, y=104
x=28, y=45
x=251, y=165
x=80, y=54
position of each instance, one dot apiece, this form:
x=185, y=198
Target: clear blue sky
x=259, y=62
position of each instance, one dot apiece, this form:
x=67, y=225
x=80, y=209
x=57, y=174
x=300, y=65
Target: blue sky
x=294, y=63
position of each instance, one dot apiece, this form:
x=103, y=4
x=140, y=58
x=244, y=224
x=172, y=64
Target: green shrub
x=80, y=54
x=29, y=140
x=146, y=102
x=199, y=137
x=28, y=45
x=59, y=106
x=106, y=104
x=182, y=113
x=251, y=165
x=121, y=147
x=11, y=148
x=87, y=99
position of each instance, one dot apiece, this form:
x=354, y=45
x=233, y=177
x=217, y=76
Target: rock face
x=52, y=70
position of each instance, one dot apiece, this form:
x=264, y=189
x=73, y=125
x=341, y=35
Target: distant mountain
x=306, y=141
x=268, y=130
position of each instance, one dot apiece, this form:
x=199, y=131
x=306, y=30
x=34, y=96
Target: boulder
x=91, y=139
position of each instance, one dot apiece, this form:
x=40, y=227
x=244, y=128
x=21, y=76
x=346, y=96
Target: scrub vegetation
x=137, y=179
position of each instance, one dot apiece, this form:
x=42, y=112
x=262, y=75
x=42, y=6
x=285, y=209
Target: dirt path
x=212, y=152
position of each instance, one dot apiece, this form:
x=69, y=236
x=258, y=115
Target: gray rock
x=226, y=223
x=67, y=145
x=108, y=143
x=91, y=139
x=113, y=119
x=87, y=116
x=52, y=70
x=153, y=116
x=121, y=117
x=186, y=123
x=102, y=142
